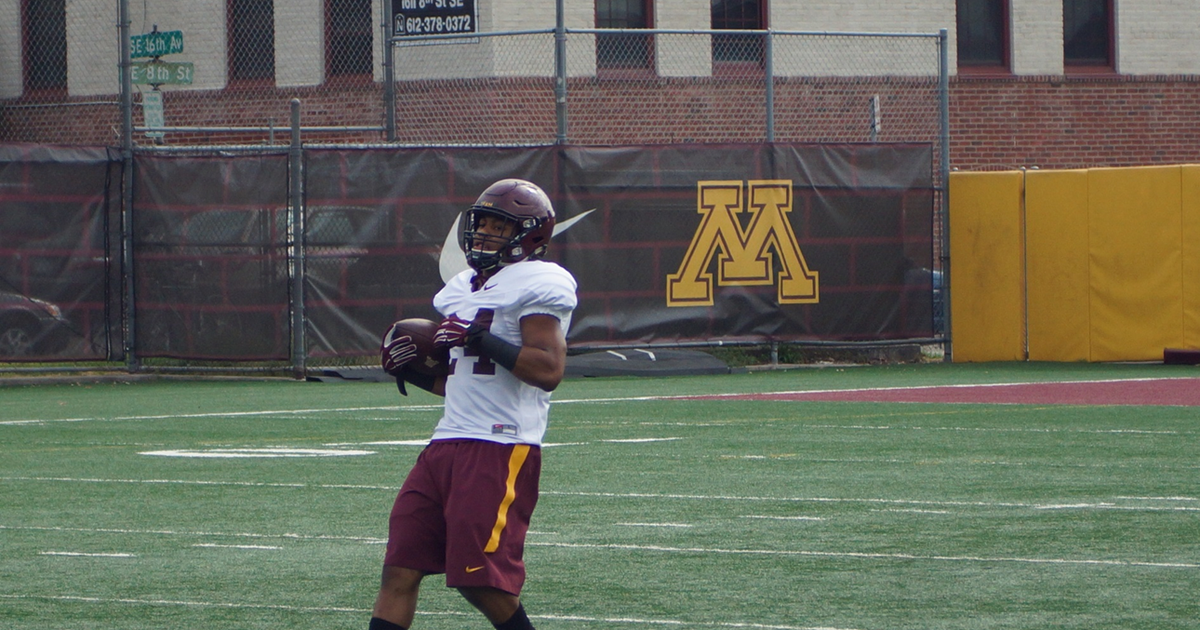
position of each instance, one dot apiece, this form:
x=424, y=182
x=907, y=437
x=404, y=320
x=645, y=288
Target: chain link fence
x=202, y=77
x=215, y=72
x=173, y=82
x=658, y=87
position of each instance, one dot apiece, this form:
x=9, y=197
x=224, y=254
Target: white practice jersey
x=485, y=401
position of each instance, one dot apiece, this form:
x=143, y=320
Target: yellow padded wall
x=1191, y=256
x=1135, y=232
x=986, y=267
x=1056, y=242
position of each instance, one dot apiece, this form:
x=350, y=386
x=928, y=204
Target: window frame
x=1004, y=66
x=1109, y=66
x=616, y=70
x=365, y=76
x=28, y=60
x=746, y=66
x=231, y=46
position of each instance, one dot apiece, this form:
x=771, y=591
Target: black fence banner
x=671, y=245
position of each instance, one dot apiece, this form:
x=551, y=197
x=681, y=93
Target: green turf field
x=654, y=513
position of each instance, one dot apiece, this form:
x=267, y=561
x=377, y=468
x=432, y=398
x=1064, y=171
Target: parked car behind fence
x=29, y=327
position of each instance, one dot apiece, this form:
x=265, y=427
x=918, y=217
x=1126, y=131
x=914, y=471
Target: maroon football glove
x=396, y=352
x=452, y=332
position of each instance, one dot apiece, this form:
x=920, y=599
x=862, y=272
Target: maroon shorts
x=464, y=510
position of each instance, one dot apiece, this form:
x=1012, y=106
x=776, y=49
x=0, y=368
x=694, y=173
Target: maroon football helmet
x=515, y=200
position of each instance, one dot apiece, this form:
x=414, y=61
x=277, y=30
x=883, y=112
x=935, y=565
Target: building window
x=623, y=51
x=348, y=37
x=1088, y=33
x=45, y=46
x=741, y=15
x=251, y=39
x=983, y=34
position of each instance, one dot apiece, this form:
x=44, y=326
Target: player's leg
x=503, y=609
x=487, y=519
x=416, y=543
x=396, y=603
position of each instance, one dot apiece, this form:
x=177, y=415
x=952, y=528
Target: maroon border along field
x=1152, y=391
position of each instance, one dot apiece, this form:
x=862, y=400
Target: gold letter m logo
x=745, y=259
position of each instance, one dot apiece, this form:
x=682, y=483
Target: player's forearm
x=432, y=384
x=540, y=367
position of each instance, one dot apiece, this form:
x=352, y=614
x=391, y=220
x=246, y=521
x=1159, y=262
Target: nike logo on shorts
x=474, y=569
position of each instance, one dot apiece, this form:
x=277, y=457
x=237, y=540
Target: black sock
x=384, y=624
x=519, y=621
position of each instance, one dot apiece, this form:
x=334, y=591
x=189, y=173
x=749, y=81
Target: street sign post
x=155, y=44
x=163, y=73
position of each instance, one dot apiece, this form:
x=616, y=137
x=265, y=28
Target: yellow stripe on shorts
x=515, y=461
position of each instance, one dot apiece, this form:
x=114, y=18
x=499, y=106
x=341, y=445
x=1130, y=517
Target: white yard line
x=924, y=387
x=168, y=532
x=223, y=414
x=278, y=412
x=910, y=511
x=83, y=554
x=902, y=427
x=177, y=602
x=420, y=613
x=215, y=546
x=783, y=518
x=868, y=556
x=191, y=482
x=255, y=453
x=646, y=495
x=710, y=497
x=640, y=440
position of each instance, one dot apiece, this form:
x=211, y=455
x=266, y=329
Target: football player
x=465, y=506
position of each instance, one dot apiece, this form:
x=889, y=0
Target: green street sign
x=155, y=44
x=162, y=73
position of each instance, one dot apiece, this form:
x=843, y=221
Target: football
x=431, y=359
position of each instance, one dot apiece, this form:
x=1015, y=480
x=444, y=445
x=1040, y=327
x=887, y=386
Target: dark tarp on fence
x=210, y=243
x=59, y=277
x=671, y=244
x=861, y=217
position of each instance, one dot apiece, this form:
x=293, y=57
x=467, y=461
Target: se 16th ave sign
x=414, y=18
x=156, y=71
x=155, y=44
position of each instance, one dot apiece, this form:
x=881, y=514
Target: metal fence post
x=944, y=167
x=127, y=315
x=769, y=71
x=296, y=221
x=389, y=73
x=560, y=73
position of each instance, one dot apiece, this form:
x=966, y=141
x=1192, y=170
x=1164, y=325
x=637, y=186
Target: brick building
x=1048, y=83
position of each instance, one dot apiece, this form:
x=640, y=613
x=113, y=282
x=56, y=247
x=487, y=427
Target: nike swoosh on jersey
x=474, y=569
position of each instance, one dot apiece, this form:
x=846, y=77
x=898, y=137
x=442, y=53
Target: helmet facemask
x=527, y=211
x=485, y=250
